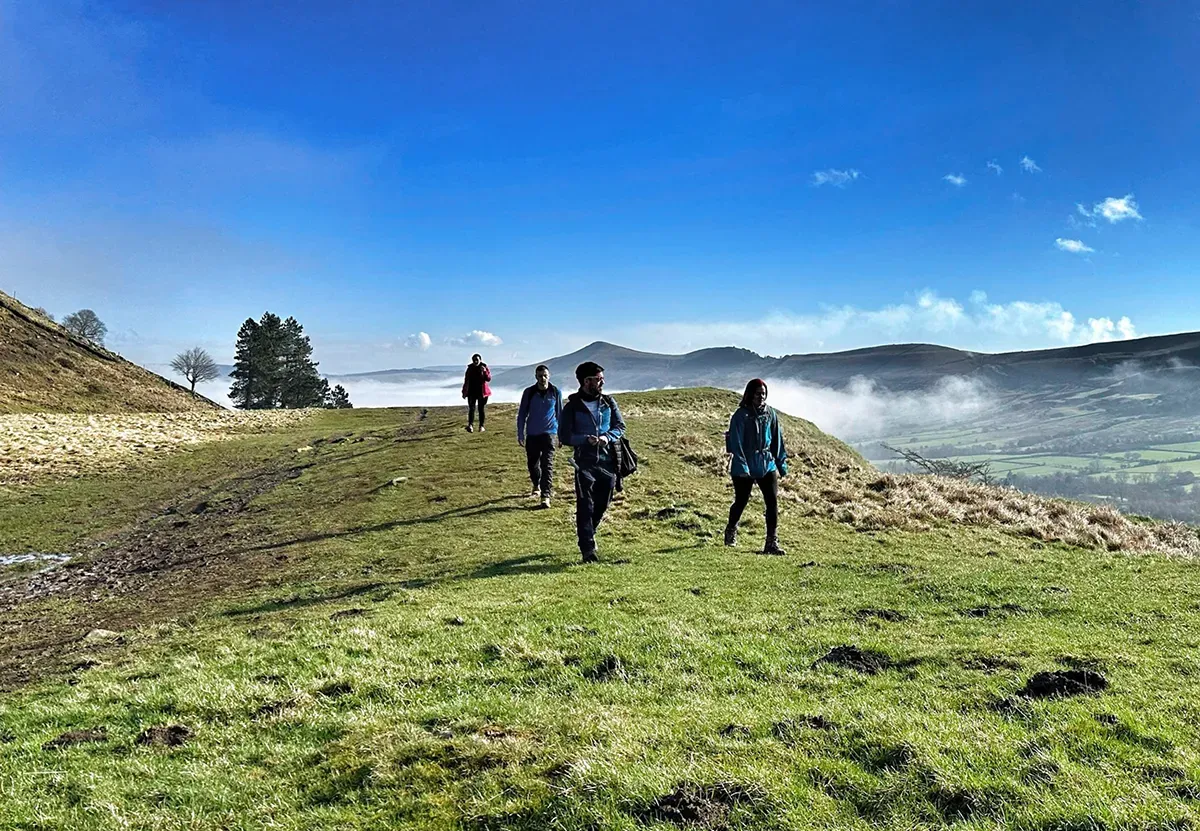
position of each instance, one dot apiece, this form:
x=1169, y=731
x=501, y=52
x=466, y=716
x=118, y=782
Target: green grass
x=431, y=655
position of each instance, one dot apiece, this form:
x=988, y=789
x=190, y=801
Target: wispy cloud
x=476, y=337
x=1073, y=245
x=1029, y=165
x=835, y=177
x=956, y=179
x=420, y=341
x=995, y=165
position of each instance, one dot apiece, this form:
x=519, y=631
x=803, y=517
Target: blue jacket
x=756, y=442
x=577, y=423
x=539, y=412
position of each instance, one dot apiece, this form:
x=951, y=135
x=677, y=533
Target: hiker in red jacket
x=476, y=390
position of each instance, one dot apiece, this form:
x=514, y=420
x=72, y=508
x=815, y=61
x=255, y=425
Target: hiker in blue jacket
x=537, y=431
x=759, y=457
x=591, y=423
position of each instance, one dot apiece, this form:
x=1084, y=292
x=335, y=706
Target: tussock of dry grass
x=59, y=444
x=833, y=481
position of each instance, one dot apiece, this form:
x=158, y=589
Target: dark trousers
x=472, y=401
x=769, y=485
x=539, y=453
x=593, y=491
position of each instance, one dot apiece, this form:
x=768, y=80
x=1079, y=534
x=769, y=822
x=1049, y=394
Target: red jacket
x=475, y=381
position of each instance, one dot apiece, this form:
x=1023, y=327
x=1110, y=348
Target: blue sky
x=418, y=181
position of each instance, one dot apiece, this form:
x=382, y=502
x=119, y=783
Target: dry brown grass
x=831, y=480
x=36, y=445
x=44, y=368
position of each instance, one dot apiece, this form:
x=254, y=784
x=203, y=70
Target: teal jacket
x=756, y=442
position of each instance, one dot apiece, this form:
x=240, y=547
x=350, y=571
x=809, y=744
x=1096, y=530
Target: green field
x=1186, y=447
x=379, y=631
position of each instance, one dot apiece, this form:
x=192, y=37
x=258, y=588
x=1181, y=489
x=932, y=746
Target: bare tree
x=946, y=467
x=86, y=325
x=44, y=313
x=195, y=365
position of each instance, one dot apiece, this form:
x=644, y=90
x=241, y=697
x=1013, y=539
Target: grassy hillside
x=362, y=624
x=43, y=368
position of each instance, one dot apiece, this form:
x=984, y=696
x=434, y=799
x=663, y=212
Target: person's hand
x=602, y=440
x=593, y=440
x=521, y=442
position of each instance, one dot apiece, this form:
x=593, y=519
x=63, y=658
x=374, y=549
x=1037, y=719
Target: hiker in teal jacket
x=758, y=456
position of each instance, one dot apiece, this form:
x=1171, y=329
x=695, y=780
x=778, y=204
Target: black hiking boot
x=731, y=535
x=590, y=556
x=772, y=547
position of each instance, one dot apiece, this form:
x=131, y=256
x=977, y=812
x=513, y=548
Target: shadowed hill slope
x=44, y=368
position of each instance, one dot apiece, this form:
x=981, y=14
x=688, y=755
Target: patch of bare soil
x=38, y=445
x=866, y=661
x=698, y=806
x=163, y=563
x=1061, y=684
x=171, y=735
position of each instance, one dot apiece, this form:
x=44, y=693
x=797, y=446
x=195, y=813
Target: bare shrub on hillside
x=981, y=471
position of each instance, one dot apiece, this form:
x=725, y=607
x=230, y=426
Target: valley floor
x=361, y=622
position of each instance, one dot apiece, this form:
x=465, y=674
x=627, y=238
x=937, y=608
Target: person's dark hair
x=540, y=367
x=586, y=370
x=476, y=355
x=751, y=388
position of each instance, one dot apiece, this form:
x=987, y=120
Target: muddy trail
x=207, y=543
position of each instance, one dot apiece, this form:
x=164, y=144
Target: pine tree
x=257, y=363
x=247, y=382
x=339, y=399
x=300, y=385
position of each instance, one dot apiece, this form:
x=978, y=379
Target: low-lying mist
x=863, y=410
x=860, y=410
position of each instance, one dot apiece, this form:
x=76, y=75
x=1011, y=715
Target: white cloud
x=420, y=341
x=1073, y=245
x=943, y=312
x=835, y=177
x=956, y=179
x=476, y=337
x=1116, y=210
x=1102, y=329
x=994, y=165
x=979, y=324
x=1113, y=209
x=1029, y=165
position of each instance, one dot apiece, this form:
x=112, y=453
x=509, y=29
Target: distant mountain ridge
x=898, y=367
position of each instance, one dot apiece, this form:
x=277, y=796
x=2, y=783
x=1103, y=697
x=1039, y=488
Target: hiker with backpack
x=591, y=423
x=758, y=457
x=476, y=390
x=537, y=431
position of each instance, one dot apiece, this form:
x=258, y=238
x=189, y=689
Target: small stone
x=101, y=636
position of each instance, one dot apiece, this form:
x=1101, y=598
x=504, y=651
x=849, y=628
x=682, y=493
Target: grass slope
x=44, y=368
x=379, y=632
